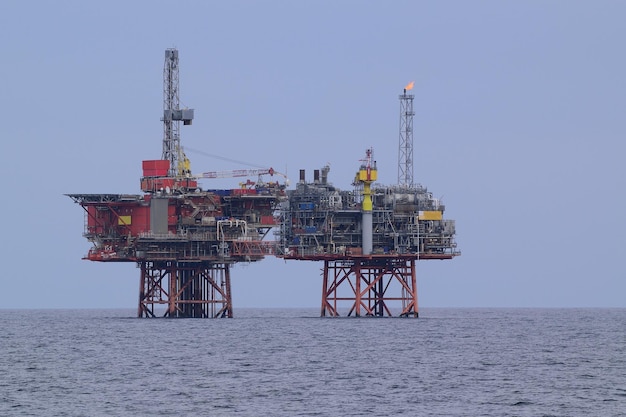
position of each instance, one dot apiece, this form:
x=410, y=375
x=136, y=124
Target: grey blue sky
x=520, y=126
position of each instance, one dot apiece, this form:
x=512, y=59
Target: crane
x=238, y=173
x=179, y=164
x=246, y=173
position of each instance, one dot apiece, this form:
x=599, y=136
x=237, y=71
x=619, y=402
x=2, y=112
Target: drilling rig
x=368, y=238
x=182, y=238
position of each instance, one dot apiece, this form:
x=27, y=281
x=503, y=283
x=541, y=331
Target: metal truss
x=184, y=289
x=366, y=286
x=405, y=148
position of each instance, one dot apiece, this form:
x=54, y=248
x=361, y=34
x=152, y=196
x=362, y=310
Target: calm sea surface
x=449, y=362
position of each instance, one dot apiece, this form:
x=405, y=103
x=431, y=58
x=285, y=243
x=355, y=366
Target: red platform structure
x=183, y=239
x=184, y=243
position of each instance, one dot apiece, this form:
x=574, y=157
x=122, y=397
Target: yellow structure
x=430, y=215
x=367, y=175
x=124, y=220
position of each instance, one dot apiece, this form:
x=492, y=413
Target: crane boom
x=237, y=173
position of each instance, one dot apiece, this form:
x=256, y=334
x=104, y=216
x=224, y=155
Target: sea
x=291, y=362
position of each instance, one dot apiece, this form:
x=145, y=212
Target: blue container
x=221, y=193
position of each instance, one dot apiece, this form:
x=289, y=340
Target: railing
x=161, y=236
x=253, y=248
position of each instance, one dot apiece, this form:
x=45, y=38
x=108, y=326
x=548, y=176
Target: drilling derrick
x=172, y=114
x=369, y=238
x=182, y=238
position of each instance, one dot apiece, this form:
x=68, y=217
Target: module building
x=320, y=221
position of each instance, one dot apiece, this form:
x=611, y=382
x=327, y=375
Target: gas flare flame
x=409, y=86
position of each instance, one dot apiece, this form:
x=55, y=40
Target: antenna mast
x=172, y=114
x=405, y=150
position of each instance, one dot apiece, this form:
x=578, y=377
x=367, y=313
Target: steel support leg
x=178, y=289
x=373, y=287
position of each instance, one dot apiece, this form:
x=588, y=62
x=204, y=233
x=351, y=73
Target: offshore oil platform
x=370, y=237
x=185, y=239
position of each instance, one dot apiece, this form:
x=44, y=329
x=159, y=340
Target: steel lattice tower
x=172, y=114
x=405, y=150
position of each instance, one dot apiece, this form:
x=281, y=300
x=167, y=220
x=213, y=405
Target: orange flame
x=409, y=86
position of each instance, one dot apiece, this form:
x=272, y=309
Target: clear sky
x=520, y=126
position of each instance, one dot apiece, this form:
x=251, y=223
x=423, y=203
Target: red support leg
x=370, y=286
x=185, y=290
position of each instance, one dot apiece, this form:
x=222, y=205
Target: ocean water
x=449, y=362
